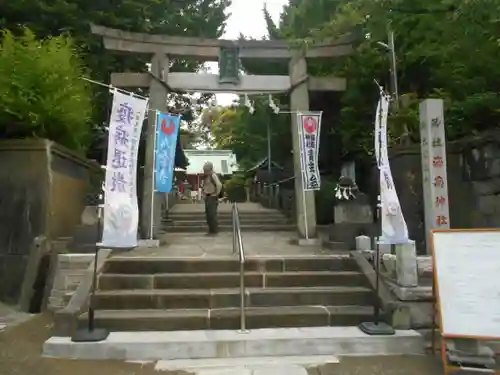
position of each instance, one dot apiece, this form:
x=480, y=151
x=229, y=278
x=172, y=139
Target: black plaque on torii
x=229, y=65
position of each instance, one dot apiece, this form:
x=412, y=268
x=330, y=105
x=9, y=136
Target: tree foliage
x=197, y=18
x=245, y=134
x=41, y=90
x=445, y=48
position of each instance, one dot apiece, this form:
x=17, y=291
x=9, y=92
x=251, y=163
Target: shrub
x=42, y=94
x=235, y=188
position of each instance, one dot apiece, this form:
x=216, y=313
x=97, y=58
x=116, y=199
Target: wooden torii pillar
x=163, y=47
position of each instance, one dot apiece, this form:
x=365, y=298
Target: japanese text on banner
x=309, y=135
x=120, y=200
x=166, y=145
x=393, y=225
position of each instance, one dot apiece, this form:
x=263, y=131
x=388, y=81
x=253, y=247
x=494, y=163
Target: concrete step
x=229, y=318
x=227, y=221
x=336, y=245
x=153, y=346
x=265, y=213
x=231, y=280
x=224, y=298
x=151, y=265
x=226, y=216
x=228, y=228
x=276, y=365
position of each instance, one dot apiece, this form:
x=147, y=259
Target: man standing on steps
x=211, y=190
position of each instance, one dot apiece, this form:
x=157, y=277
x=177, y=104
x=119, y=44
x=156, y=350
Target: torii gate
x=229, y=53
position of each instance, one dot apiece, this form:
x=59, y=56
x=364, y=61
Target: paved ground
x=223, y=207
x=255, y=244
x=20, y=348
x=10, y=316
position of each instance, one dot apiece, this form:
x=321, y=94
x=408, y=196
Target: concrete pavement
x=20, y=353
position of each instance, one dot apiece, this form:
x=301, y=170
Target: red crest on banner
x=310, y=124
x=167, y=129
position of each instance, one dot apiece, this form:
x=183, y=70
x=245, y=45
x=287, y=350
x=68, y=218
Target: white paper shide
x=121, y=212
x=393, y=226
x=309, y=124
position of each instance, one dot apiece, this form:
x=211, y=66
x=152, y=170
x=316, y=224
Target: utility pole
x=394, y=68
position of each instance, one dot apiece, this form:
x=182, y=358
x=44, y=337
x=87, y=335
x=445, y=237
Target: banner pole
x=377, y=327
x=153, y=179
x=302, y=167
x=306, y=226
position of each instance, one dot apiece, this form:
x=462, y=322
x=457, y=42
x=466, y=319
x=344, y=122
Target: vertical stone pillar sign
x=434, y=176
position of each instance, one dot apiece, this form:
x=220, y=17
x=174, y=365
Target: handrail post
x=234, y=227
x=242, y=298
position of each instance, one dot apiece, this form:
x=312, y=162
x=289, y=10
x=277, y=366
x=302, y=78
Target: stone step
x=226, y=216
x=263, y=365
x=226, y=221
x=290, y=342
x=270, y=213
x=229, y=318
x=151, y=265
x=228, y=228
x=231, y=280
x=222, y=298
x=336, y=245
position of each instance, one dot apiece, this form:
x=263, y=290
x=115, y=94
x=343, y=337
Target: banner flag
x=309, y=124
x=121, y=212
x=393, y=226
x=167, y=131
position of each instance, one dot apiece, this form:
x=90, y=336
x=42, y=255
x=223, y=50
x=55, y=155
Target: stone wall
x=69, y=272
x=43, y=188
x=473, y=184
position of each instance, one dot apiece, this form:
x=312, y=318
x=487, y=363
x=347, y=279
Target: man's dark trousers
x=211, y=204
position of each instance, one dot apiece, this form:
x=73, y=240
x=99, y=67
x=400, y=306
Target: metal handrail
x=238, y=245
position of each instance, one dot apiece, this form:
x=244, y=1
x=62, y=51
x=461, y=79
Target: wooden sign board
x=466, y=283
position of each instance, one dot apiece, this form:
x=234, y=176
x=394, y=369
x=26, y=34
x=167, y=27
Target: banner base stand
x=93, y=335
x=148, y=243
x=376, y=329
x=307, y=241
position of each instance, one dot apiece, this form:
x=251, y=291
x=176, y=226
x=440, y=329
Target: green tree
x=41, y=90
x=447, y=49
x=197, y=18
x=245, y=134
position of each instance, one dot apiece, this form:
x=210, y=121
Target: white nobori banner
x=309, y=124
x=393, y=228
x=121, y=212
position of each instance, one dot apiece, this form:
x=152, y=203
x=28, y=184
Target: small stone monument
x=353, y=214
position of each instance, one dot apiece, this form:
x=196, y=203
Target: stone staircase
x=165, y=294
x=256, y=221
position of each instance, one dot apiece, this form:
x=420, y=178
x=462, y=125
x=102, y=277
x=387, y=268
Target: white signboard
x=434, y=177
x=309, y=124
x=393, y=225
x=121, y=212
x=467, y=268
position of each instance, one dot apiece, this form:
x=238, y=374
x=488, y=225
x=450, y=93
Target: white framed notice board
x=467, y=282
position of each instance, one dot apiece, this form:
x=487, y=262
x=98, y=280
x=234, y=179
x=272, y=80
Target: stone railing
x=69, y=272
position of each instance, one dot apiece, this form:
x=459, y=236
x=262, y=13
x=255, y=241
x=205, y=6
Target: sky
x=247, y=18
